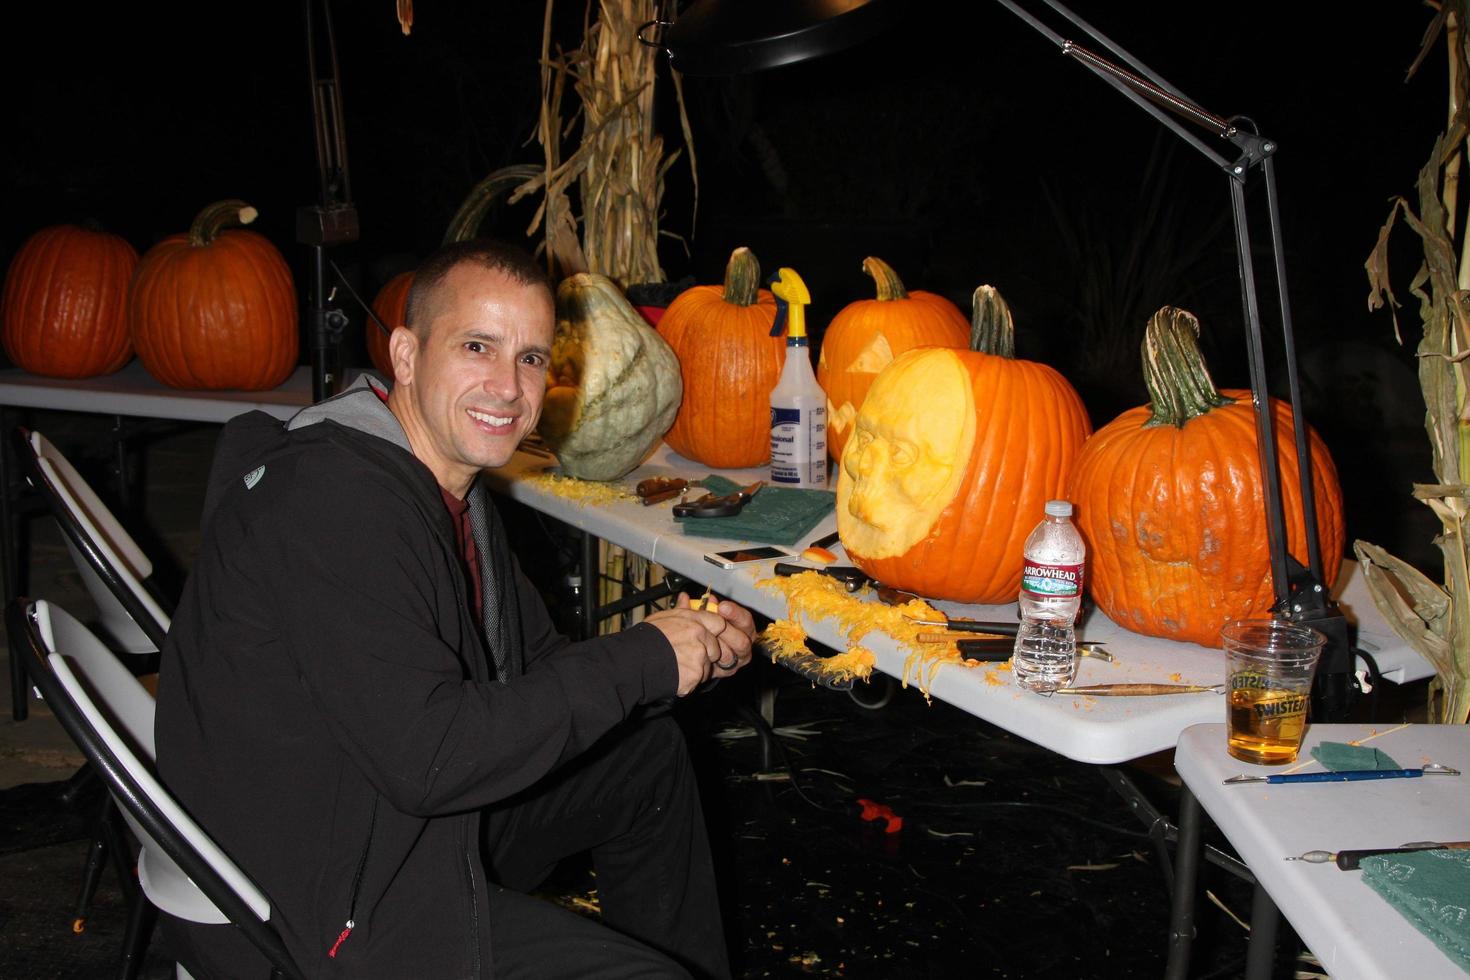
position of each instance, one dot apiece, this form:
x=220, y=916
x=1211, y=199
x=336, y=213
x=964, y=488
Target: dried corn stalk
x=1434, y=618
x=619, y=165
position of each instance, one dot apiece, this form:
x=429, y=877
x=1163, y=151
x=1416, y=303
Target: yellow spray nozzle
x=792, y=298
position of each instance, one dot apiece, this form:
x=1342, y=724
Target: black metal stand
x=334, y=220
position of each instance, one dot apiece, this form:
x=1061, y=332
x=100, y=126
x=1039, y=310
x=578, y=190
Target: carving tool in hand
x=1349, y=860
x=1346, y=775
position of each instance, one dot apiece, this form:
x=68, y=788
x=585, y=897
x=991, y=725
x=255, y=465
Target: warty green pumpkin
x=613, y=387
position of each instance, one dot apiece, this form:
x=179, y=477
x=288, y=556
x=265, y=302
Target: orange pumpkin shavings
x=814, y=596
x=783, y=639
x=819, y=555
x=580, y=491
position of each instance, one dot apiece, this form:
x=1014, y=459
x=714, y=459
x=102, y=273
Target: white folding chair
x=110, y=717
x=113, y=568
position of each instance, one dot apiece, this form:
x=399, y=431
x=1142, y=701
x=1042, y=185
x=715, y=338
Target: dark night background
x=963, y=149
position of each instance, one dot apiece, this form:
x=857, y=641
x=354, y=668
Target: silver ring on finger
x=728, y=666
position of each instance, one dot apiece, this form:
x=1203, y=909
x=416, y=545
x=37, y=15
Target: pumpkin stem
x=472, y=210
x=216, y=218
x=889, y=285
x=992, y=329
x=1178, y=380
x=742, y=277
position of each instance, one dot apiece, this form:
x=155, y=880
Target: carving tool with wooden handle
x=1350, y=860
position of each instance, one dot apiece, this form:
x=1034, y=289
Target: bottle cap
x=1059, y=508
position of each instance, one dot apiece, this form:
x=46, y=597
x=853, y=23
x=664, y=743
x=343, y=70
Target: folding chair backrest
x=106, y=698
x=112, y=566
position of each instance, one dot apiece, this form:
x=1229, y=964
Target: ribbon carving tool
x=1346, y=775
x=1141, y=690
x=724, y=506
x=1349, y=860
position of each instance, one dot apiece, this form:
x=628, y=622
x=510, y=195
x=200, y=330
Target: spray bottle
x=798, y=404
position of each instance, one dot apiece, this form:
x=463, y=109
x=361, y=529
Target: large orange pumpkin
x=952, y=460
x=66, y=300
x=1170, y=500
x=214, y=308
x=729, y=363
x=865, y=336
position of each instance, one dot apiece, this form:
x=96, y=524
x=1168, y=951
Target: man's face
x=470, y=389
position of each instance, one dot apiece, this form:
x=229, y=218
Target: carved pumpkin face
x=955, y=455
x=906, y=462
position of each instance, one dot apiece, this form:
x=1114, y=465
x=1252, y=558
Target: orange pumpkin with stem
x=729, y=363
x=865, y=336
x=65, y=310
x=1170, y=499
x=953, y=457
x=215, y=308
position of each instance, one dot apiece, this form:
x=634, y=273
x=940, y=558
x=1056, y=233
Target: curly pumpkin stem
x=1178, y=380
x=992, y=329
x=887, y=281
x=216, y=218
x=471, y=214
x=742, y=277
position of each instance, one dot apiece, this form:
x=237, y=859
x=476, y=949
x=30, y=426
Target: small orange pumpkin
x=391, y=307
x=66, y=300
x=865, y=336
x=216, y=309
x=953, y=457
x=729, y=363
x=1170, y=499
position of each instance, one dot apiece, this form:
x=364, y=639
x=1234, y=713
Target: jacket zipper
x=474, y=908
x=356, y=885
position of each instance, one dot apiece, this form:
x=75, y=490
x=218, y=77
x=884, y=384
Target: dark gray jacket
x=325, y=709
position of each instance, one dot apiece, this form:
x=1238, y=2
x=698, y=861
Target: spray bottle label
x=1051, y=580
x=799, y=446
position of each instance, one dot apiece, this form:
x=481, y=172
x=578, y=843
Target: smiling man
x=366, y=704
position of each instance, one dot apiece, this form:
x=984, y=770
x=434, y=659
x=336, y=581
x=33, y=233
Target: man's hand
x=708, y=643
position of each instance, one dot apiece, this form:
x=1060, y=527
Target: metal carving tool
x=1349, y=860
x=1346, y=775
x=1141, y=690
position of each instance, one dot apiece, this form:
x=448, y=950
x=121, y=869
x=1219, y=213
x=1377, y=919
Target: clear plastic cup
x=1270, y=664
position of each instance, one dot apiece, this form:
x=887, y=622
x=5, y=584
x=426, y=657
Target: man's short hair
x=424, y=297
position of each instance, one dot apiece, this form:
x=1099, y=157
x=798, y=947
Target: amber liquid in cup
x=1266, y=727
x=1270, y=667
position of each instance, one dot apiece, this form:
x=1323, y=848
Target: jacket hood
x=361, y=407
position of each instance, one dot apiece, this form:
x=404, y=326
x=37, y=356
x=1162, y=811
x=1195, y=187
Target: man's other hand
x=707, y=643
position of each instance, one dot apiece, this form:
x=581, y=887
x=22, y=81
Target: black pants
x=633, y=803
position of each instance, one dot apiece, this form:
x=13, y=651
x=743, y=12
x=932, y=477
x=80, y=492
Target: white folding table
x=1353, y=932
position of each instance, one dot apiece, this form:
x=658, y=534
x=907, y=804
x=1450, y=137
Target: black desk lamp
x=722, y=37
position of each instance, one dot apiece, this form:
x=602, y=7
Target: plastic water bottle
x=1051, y=594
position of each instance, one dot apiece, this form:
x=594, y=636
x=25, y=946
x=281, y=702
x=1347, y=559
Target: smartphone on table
x=745, y=556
